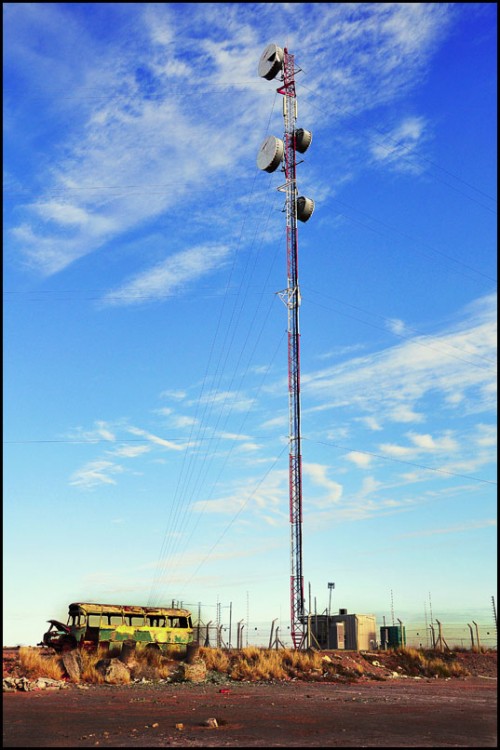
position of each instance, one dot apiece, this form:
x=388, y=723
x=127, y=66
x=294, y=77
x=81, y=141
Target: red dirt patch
x=369, y=710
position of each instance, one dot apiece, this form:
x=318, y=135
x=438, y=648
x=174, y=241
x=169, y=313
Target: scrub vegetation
x=428, y=664
x=258, y=664
x=35, y=664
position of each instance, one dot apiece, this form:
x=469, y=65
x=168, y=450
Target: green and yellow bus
x=108, y=626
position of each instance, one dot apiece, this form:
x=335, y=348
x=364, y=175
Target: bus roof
x=92, y=608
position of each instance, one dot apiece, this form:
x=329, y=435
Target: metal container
x=392, y=636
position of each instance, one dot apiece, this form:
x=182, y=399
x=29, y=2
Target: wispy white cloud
x=487, y=436
x=270, y=497
x=101, y=431
x=403, y=413
x=397, y=151
x=147, y=89
x=421, y=444
x=249, y=447
x=156, y=440
x=234, y=436
x=95, y=473
x=393, y=383
x=169, y=276
x=370, y=422
x=318, y=475
x=396, y=326
x=280, y=421
x=233, y=400
x=182, y=421
x=362, y=460
x=131, y=451
x=175, y=395
x=427, y=442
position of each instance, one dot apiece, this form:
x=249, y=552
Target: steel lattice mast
x=291, y=297
x=272, y=152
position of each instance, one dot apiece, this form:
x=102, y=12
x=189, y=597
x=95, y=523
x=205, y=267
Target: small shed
x=352, y=632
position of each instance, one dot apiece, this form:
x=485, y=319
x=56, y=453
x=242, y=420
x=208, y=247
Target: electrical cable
x=402, y=335
x=400, y=461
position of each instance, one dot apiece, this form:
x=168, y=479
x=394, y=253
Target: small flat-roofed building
x=344, y=631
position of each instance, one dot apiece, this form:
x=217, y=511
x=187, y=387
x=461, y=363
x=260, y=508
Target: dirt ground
x=373, y=711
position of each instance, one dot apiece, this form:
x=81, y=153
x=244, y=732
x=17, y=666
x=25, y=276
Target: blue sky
x=145, y=354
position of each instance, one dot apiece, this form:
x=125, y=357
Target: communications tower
x=272, y=153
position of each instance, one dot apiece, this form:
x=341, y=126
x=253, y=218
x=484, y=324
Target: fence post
x=440, y=638
x=272, y=631
x=207, y=637
x=239, y=635
x=477, y=635
x=220, y=640
x=471, y=636
x=433, y=636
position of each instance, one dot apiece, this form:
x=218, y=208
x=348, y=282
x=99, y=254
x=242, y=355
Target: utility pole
x=273, y=151
x=331, y=586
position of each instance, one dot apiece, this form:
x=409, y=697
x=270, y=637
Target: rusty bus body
x=109, y=626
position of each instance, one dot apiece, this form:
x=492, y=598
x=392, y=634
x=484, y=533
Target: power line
x=401, y=335
x=177, y=516
x=409, y=237
x=400, y=461
x=237, y=514
x=118, y=441
x=400, y=145
x=415, y=342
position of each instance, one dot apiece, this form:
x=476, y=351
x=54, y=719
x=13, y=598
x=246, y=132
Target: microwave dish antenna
x=270, y=154
x=303, y=140
x=305, y=208
x=271, y=61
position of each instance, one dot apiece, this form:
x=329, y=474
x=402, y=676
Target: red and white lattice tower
x=274, y=151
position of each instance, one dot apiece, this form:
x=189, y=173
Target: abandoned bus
x=109, y=626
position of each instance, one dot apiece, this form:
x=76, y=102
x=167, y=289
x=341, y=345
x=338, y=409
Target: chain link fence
x=455, y=635
x=239, y=634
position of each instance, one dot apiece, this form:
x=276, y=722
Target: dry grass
x=258, y=664
x=254, y=664
x=148, y=664
x=419, y=663
x=151, y=664
x=215, y=659
x=251, y=663
x=89, y=672
x=35, y=664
